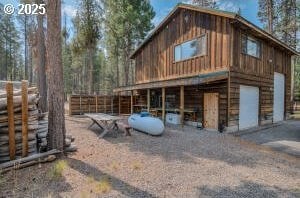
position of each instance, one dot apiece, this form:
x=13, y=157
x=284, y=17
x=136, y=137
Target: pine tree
x=88, y=23
x=56, y=118
x=10, y=47
x=287, y=24
x=266, y=14
x=41, y=62
x=127, y=22
x=67, y=58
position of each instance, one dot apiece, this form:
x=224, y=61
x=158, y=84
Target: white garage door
x=249, y=101
x=278, y=102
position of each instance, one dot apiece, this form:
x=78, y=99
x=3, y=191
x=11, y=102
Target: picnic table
x=106, y=122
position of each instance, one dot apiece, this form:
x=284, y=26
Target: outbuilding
x=212, y=68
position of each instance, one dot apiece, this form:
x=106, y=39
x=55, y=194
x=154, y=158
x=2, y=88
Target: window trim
x=192, y=57
x=256, y=40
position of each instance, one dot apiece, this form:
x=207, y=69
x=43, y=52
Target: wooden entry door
x=211, y=110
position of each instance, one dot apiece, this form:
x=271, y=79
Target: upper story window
x=195, y=47
x=251, y=46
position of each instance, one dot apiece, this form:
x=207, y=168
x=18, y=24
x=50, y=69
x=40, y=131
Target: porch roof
x=185, y=81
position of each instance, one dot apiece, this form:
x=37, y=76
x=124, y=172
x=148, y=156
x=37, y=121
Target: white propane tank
x=145, y=123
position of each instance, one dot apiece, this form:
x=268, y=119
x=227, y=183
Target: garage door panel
x=249, y=103
x=279, y=92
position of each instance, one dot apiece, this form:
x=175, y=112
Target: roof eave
x=266, y=34
x=177, y=7
x=209, y=11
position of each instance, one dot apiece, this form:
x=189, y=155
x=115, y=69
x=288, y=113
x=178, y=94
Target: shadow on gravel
x=117, y=184
x=247, y=189
x=190, y=145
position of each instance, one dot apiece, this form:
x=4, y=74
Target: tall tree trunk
x=6, y=59
x=56, y=118
x=41, y=61
x=295, y=26
x=270, y=13
x=10, y=63
x=30, y=66
x=285, y=21
x=126, y=68
x=117, y=64
x=90, y=63
x=25, y=49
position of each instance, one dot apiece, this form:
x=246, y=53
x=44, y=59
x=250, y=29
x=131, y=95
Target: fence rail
x=80, y=104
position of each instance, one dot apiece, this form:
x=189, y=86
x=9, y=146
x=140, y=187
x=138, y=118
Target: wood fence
x=18, y=121
x=80, y=104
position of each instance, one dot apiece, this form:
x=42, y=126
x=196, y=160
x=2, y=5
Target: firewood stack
x=33, y=124
x=42, y=132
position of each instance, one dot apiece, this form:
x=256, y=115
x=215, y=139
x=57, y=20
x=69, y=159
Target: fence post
x=119, y=95
x=24, y=118
x=131, y=102
x=96, y=103
x=11, y=120
x=105, y=104
x=112, y=104
x=80, y=104
x=70, y=105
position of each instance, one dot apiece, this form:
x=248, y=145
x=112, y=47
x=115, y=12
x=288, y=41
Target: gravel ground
x=181, y=163
x=283, y=138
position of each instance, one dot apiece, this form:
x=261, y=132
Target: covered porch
x=198, y=100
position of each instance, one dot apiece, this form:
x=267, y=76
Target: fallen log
x=71, y=148
x=49, y=158
x=28, y=159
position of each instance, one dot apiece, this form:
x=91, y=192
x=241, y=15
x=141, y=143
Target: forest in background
x=96, y=57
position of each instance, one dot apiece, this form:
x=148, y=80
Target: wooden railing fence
x=80, y=104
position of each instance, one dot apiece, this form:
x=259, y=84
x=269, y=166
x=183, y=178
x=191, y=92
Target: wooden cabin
x=212, y=68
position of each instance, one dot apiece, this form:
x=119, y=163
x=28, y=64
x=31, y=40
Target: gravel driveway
x=181, y=163
x=284, y=138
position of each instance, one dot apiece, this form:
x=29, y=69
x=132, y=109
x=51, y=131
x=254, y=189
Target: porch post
x=182, y=104
x=148, y=100
x=131, y=101
x=119, y=95
x=163, y=97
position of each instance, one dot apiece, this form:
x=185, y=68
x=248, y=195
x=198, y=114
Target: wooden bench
x=124, y=127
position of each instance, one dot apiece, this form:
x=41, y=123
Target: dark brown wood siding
x=155, y=61
x=259, y=72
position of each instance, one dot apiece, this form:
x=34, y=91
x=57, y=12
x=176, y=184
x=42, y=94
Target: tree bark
x=117, y=64
x=56, y=118
x=270, y=12
x=41, y=59
x=25, y=49
x=90, y=64
x=126, y=67
x=285, y=22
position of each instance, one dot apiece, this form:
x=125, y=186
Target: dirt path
x=188, y=163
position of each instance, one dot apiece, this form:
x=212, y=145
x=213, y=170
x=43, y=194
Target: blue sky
x=163, y=7
x=248, y=7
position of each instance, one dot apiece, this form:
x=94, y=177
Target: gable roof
x=222, y=13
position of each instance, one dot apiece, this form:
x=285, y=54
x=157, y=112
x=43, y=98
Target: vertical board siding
x=158, y=54
x=259, y=72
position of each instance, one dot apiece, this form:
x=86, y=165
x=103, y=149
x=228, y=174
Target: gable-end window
x=251, y=46
x=195, y=47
